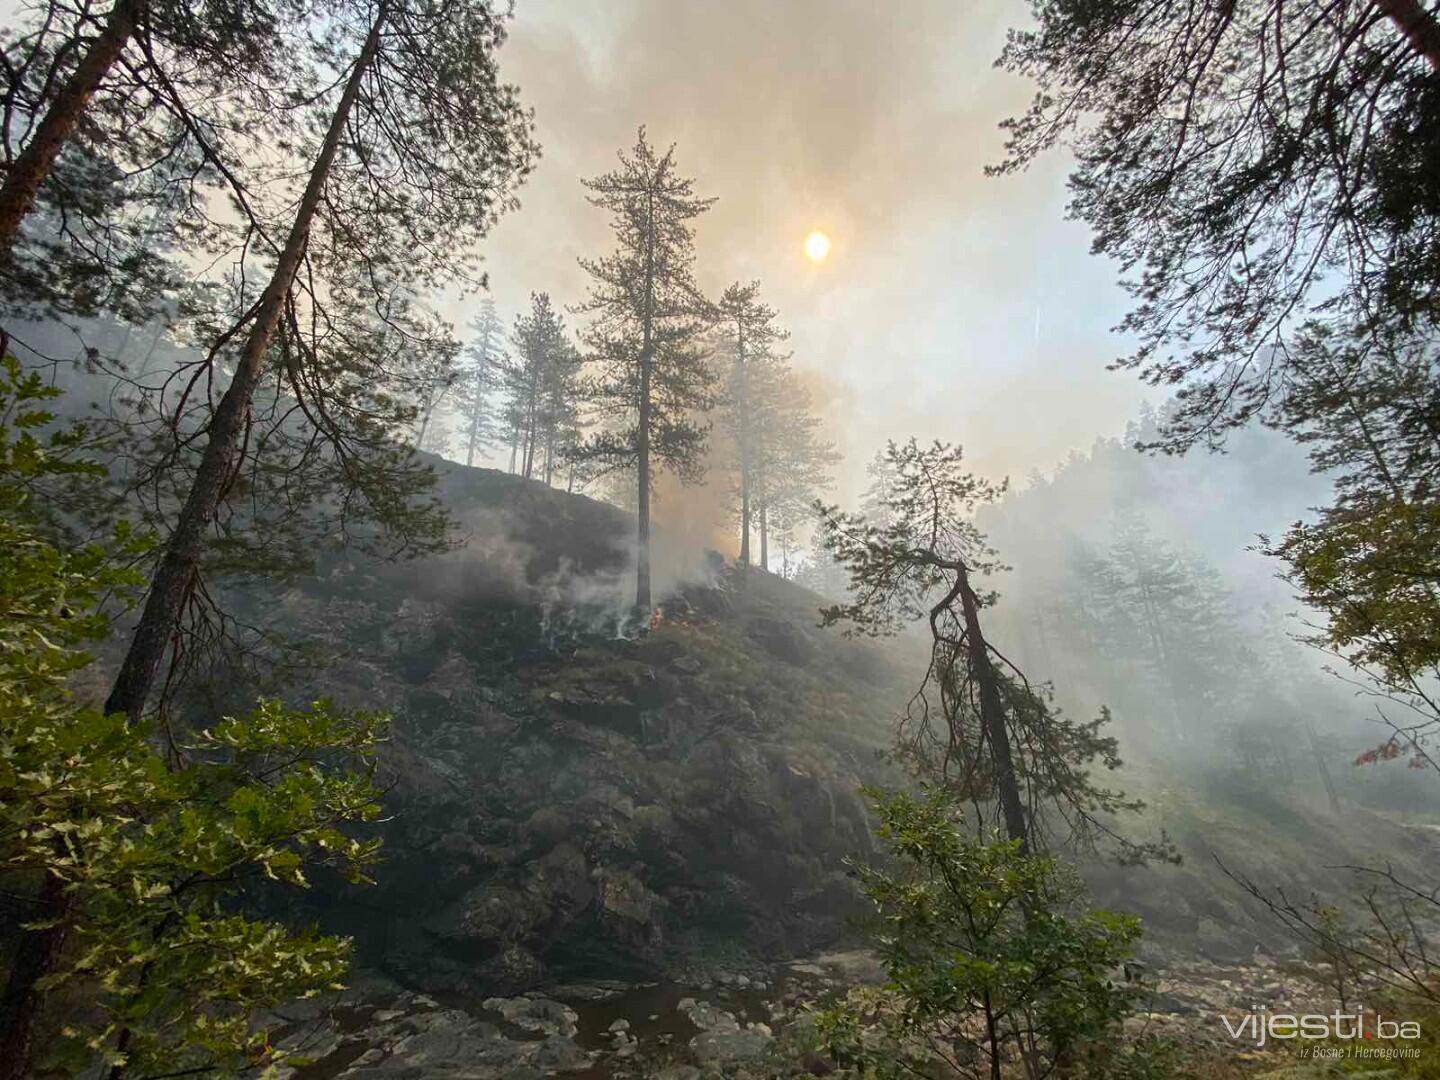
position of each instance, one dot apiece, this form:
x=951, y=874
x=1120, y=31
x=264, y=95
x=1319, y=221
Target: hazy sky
x=952, y=305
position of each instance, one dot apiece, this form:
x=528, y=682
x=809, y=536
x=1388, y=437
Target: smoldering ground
x=578, y=571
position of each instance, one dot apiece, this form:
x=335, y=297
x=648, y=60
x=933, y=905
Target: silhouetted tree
x=646, y=338
x=875, y=500
x=434, y=381
x=560, y=416
x=416, y=156
x=820, y=573
x=167, y=57
x=1001, y=740
x=792, y=464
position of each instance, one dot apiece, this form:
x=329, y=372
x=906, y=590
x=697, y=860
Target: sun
x=817, y=246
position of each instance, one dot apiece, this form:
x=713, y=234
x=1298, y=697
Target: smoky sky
x=952, y=306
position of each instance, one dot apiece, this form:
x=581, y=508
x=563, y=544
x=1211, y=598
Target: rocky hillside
x=574, y=795
x=578, y=797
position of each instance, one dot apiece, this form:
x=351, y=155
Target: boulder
x=537, y=1014
x=624, y=896
x=447, y=1044
x=726, y=1047
x=512, y=969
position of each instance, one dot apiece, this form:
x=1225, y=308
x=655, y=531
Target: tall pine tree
x=646, y=338
x=416, y=152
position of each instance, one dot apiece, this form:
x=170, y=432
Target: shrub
x=134, y=844
x=992, y=958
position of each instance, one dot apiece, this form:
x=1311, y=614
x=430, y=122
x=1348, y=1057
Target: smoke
x=952, y=306
x=874, y=127
x=571, y=561
x=704, y=515
x=695, y=517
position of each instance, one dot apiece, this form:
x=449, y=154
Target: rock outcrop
x=575, y=792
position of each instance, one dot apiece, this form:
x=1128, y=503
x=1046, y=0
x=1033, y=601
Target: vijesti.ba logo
x=1261, y=1026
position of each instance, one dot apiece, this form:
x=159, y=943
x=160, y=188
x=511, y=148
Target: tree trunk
x=642, y=537
x=1160, y=646
x=1324, y=771
x=36, y=954
x=764, y=540
x=180, y=563
x=424, y=426
x=744, y=404
x=470, y=447
x=642, y=447
x=531, y=412
x=992, y=1037
x=23, y=180
x=150, y=350
x=992, y=717
x=478, y=405
x=744, y=528
x=1418, y=25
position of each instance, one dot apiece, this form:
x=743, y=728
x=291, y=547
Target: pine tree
x=57, y=69
x=820, y=573
x=780, y=464
x=384, y=211
x=541, y=383
x=118, y=139
x=999, y=741
x=485, y=359
x=560, y=412
x=748, y=335
x=435, y=380
x=645, y=340
x=1163, y=621
x=920, y=565
x=1153, y=588
x=93, y=245
x=792, y=463
x=875, y=500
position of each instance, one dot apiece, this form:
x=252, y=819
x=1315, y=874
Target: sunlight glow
x=817, y=246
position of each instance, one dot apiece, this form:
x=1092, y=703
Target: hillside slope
x=576, y=796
